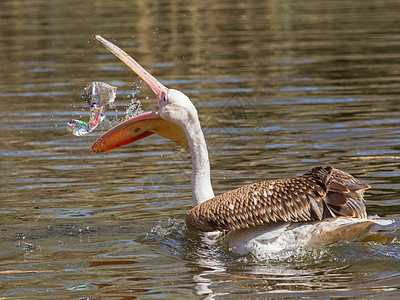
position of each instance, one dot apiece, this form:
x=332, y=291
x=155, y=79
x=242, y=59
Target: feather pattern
x=323, y=192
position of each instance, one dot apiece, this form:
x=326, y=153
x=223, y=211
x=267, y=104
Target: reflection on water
x=280, y=86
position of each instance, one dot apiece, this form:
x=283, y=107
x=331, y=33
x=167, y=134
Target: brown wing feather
x=321, y=193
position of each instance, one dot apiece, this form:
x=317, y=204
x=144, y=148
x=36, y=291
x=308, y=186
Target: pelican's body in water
x=321, y=207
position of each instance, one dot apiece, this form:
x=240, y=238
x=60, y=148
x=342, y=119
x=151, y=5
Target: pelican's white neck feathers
x=177, y=108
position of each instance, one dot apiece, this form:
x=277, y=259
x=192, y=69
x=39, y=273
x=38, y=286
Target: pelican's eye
x=163, y=97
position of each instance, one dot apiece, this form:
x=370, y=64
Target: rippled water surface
x=280, y=87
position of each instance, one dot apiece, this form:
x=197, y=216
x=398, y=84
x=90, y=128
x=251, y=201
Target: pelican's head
x=176, y=110
x=176, y=107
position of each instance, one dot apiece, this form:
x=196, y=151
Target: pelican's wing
x=320, y=193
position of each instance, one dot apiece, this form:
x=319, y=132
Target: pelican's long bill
x=141, y=125
x=155, y=85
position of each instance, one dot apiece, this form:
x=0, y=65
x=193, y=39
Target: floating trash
x=78, y=127
x=100, y=94
x=97, y=95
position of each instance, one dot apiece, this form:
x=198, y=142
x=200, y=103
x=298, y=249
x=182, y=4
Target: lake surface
x=280, y=87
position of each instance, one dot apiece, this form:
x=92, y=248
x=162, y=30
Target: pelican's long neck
x=201, y=181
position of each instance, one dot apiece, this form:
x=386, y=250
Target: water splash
x=162, y=230
x=134, y=108
x=97, y=95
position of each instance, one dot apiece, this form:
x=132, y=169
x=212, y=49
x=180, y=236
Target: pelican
x=321, y=207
